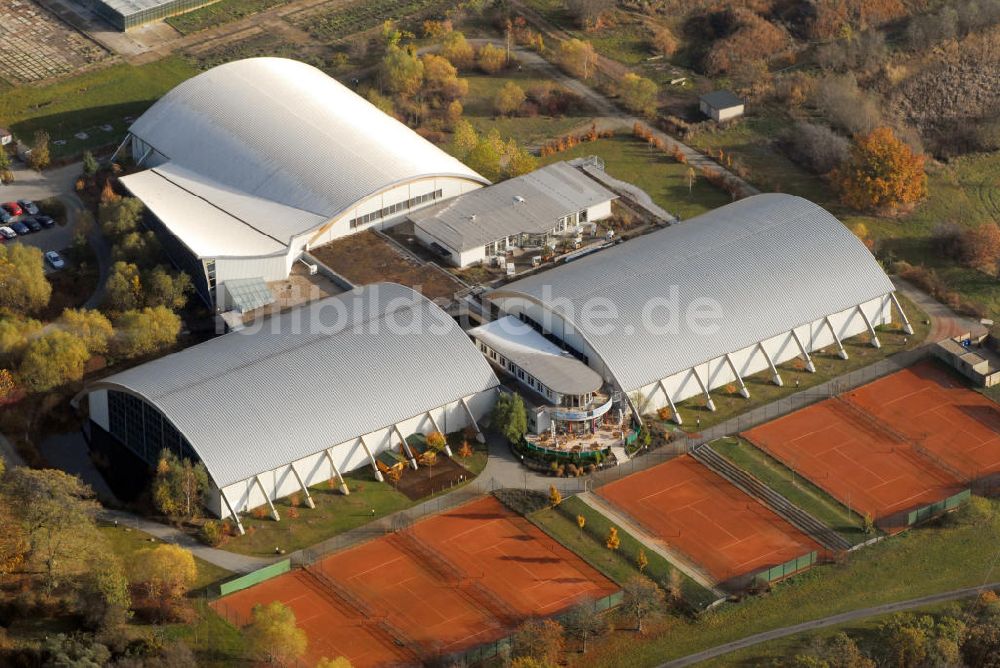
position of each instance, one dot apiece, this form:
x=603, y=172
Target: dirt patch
x=368, y=258
x=36, y=45
x=426, y=481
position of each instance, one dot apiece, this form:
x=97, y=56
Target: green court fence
x=256, y=577
x=927, y=512
x=788, y=568
x=495, y=648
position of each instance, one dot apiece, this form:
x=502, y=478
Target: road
x=826, y=622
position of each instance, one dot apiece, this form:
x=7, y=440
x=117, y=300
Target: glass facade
x=142, y=429
x=394, y=208
x=125, y=14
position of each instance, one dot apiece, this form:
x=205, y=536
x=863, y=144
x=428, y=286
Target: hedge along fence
x=492, y=649
x=579, y=456
x=256, y=577
x=787, y=569
x=929, y=511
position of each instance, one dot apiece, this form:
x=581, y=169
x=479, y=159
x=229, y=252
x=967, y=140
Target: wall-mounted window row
x=142, y=429
x=394, y=208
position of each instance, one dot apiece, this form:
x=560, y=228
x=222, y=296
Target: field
x=929, y=559
x=662, y=177
x=858, y=461
x=932, y=408
x=332, y=626
x=451, y=582
x=341, y=20
x=620, y=565
x=729, y=533
x=100, y=103
x=218, y=13
x=793, y=487
x=512, y=558
x=368, y=258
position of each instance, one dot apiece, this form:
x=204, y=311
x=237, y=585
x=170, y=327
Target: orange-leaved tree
x=882, y=172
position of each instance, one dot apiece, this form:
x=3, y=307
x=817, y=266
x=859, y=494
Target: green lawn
x=334, y=514
x=828, y=365
x=793, y=487
x=663, y=178
x=752, y=143
x=86, y=102
x=782, y=650
x=919, y=562
x=127, y=541
x=223, y=11
x=560, y=523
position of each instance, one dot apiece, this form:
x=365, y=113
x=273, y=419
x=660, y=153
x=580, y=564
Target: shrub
x=211, y=533
x=508, y=99
x=491, y=59
x=817, y=147
x=522, y=501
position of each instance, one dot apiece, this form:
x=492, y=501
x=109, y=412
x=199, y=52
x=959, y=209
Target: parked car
x=28, y=206
x=7, y=233
x=13, y=208
x=54, y=259
x=46, y=221
x=33, y=224
x=5, y=217
x=20, y=228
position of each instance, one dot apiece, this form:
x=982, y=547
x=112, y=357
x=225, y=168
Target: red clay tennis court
x=697, y=512
x=334, y=629
x=388, y=581
x=932, y=407
x=512, y=559
x=864, y=466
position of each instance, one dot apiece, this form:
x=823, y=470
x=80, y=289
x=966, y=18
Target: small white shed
x=721, y=105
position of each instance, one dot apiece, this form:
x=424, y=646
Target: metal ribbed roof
x=557, y=369
x=284, y=131
x=771, y=262
x=531, y=203
x=288, y=386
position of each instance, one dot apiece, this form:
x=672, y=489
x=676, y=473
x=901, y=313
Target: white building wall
x=315, y=469
x=716, y=373
x=599, y=212
x=340, y=226
x=728, y=113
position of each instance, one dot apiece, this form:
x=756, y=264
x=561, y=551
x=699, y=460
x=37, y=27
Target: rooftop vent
x=518, y=199
x=472, y=217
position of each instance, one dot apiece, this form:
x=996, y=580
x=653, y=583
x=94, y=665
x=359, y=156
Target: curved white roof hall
x=258, y=399
x=284, y=131
x=771, y=262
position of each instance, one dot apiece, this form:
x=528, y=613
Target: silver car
x=54, y=259
x=28, y=206
x=7, y=233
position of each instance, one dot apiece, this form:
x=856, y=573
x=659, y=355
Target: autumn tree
x=56, y=512
x=39, y=157
x=980, y=248
x=140, y=248
x=464, y=138
x=383, y=103
x=641, y=560
x=436, y=441
x=8, y=385
x=491, y=59
x=162, y=287
x=585, y=623
x=837, y=651
x=538, y=639
x=577, y=57
x=508, y=99
x=751, y=39
x=6, y=175
x=882, y=172
x=402, y=71
x=119, y=216
x=555, y=497
x=123, y=288
x=639, y=94
x=641, y=597
x=515, y=161
x=15, y=332
x=339, y=662
x=457, y=50
x=14, y=543
x=441, y=79
x=51, y=360
x=581, y=522
x=146, y=331
x=90, y=164
x=23, y=285
x=179, y=487
x=90, y=326
x=273, y=636
x=613, y=541
x=663, y=41
x=166, y=572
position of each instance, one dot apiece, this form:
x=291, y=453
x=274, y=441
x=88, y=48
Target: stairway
x=620, y=455
x=805, y=522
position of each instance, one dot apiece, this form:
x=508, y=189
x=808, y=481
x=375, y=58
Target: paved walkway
x=237, y=563
x=825, y=622
x=945, y=323
x=652, y=542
